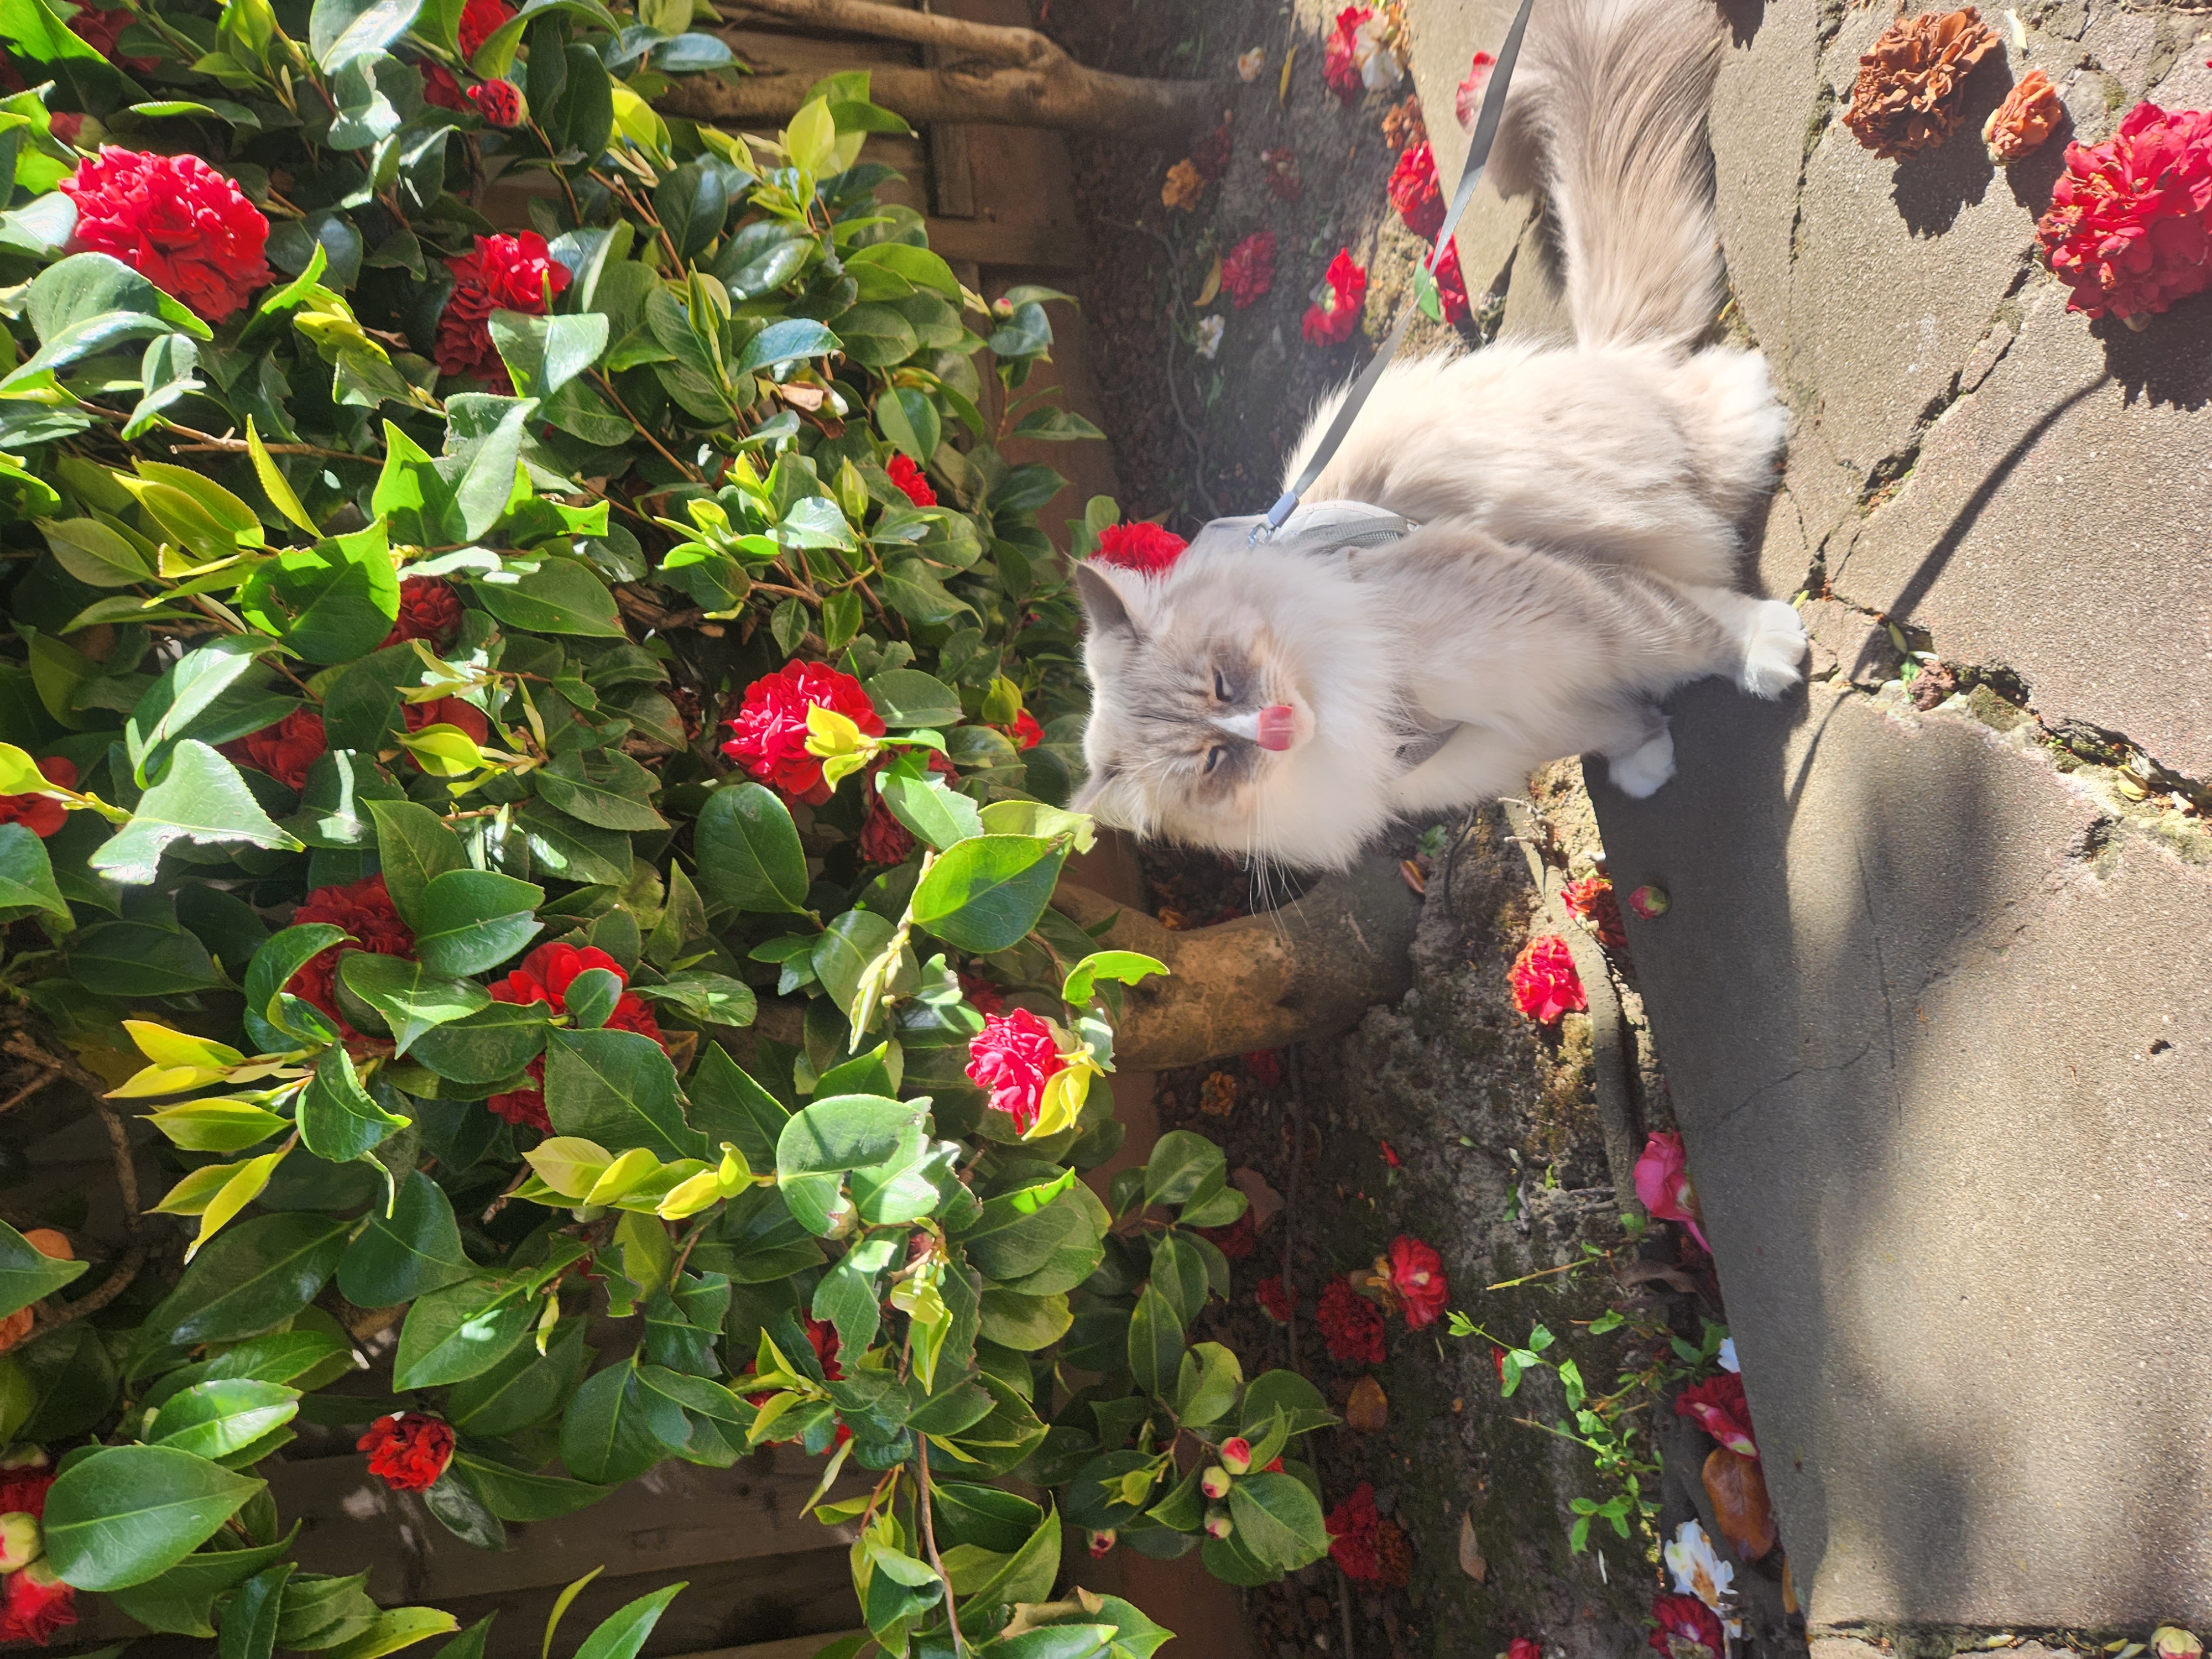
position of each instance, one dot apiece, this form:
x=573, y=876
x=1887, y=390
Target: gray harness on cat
x=1331, y=527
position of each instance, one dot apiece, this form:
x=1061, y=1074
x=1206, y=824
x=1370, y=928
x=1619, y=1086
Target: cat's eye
x=1221, y=687
x=1214, y=756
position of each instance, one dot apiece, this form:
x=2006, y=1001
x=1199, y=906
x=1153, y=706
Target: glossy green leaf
x=750, y=858
x=988, y=892
x=124, y=1514
x=26, y=1275
x=415, y=1250
x=257, y=1273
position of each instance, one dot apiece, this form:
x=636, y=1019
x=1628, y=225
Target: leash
x=1477, y=157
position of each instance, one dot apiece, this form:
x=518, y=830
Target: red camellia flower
x=545, y=976
x=1330, y=320
x=1417, y=1273
x=1521, y=1647
x=23, y=1491
x=1544, y=982
x=1275, y=1299
x=1416, y=194
x=1592, y=900
x=1239, y=1239
x=103, y=32
x=1248, y=271
x=500, y=103
x=1663, y=1182
x=1350, y=1325
x=447, y=711
x=1352, y=1527
x=364, y=909
x=480, y=20
x=822, y=1337
x=1013, y=1057
x=505, y=273
x=985, y=997
x=2129, y=229
x=1265, y=1066
x=1024, y=733
x=1721, y=1410
x=883, y=839
x=65, y=124
x=37, y=1604
x=285, y=750
x=176, y=221
x=1338, y=67
x=911, y=480
x=771, y=726
x=429, y=610
x=41, y=815
x=1451, y=286
x=1466, y=102
x=1688, y=1629
x=1142, y=546
x=440, y=88
x=408, y=1451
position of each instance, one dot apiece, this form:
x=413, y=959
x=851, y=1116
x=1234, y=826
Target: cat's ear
x=1104, y=606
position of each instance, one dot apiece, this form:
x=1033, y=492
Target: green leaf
x=907, y=698
x=1025, y=1322
x=25, y=1275
x=393, y=1629
x=488, y=1046
x=616, y=1428
x=415, y=1250
x=181, y=1601
x=1179, y=1274
x=619, y=1089
x=563, y=848
x=750, y=858
x=1127, y=966
x=877, y=336
x=138, y=959
x=523, y=1389
x=512, y=1495
x=1054, y=426
x=413, y=1000
x=414, y=848
x=93, y=553
x=250, y=1617
x=339, y=31
x=543, y=353
x=124, y=1514
x=216, y=1418
x=1206, y=1384
x=728, y=1105
x=833, y=1136
x=986, y=893
x=604, y=787
x=487, y=484
x=1156, y=1342
x=560, y=596
x=92, y=302
x=1181, y=1160
x=459, y=1331
x=940, y=815
x=202, y=799
x=1279, y=1520
x=911, y=422
x=473, y=919
x=332, y=601
x=255, y=1274
x=787, y=341
x=337, y=1120
x=623, y=1631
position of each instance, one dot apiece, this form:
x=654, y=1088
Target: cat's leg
x=1477, y=763
x=1644, y=757
x=1767, y=637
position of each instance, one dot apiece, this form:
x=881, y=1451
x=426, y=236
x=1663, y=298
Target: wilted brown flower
x=1908, y=93
x=1404, y=126
x=1185, y=183
x=1283, y=180
x=2030, y=113
x=1217, y=1096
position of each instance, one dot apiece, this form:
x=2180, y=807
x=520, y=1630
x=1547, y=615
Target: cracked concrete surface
x=1931, y=994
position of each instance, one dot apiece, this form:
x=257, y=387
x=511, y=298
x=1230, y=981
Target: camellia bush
x=531, y=768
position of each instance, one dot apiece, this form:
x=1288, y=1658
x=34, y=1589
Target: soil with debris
x=1451, y=1117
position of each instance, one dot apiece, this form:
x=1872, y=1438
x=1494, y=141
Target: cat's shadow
x=1934, y=186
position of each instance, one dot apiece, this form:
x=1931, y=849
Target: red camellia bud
x=1237, y=1454
x=1650, y=902
x=1214, y=1483
x=37, y=1604
x=1217, y=1523
x=499, y=102
x=408, y=1451
x=1101, y=1542
x=21, y=1540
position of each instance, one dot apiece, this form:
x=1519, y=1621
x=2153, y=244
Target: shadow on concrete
x=1744, y=17
x=2168, y=362
x=1932, y=188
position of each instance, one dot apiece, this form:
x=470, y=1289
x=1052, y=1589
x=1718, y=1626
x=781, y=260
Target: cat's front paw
x=1775, y=646
x=1640, y=772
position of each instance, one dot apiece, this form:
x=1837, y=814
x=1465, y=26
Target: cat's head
x=1237, y=704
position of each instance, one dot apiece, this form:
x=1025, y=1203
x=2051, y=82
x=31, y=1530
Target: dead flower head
x=1184, y=185
x=1910, y=86
x=2030, y=113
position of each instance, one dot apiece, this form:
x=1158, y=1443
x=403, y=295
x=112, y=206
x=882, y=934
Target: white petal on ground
x=1728, y=1355
x=1698, y=1571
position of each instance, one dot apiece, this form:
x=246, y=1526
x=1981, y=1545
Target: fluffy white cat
x=1571, y=546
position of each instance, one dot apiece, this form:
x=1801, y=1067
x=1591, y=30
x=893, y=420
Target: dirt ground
x=1450, y=1117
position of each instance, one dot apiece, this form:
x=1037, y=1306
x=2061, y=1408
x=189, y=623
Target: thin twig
x=1010, y=45
x=29, y=1089
x=113, y=1285
x=929, y=1538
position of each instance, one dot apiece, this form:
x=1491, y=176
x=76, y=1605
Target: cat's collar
x=1318, y=527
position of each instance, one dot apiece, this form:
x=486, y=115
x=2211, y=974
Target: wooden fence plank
x=794, y=1647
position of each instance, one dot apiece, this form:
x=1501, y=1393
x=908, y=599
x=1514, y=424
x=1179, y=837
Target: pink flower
x=1415, y=192
x=2129, y=227
x=429, y=610
x=480, y=20
x=1248, y=271
x=1522, y=1648
x=1350, y=1325
x=500, y=103
x=1544, y=982
x=1143, y=547
x=1013, y=1057
x=1330, y=319
x=1663, y=1182
x=1417, y=1274
x=1468, y=103
x=1718, y=1405
x=1688, y=1629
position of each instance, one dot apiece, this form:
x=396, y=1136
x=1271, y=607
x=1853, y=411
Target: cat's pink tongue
x=1279, y=725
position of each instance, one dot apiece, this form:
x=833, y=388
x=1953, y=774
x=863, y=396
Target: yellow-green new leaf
x=245, y=1184
x=279, y=489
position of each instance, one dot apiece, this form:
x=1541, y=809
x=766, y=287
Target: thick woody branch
x=1012, y=46
x=1308, y=970
x=1028, y=91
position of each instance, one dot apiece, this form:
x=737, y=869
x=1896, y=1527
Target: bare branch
x=1012, y=46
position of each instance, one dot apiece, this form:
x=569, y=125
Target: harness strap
x=1477, y=157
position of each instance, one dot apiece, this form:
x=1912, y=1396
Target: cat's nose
x=1277, y=727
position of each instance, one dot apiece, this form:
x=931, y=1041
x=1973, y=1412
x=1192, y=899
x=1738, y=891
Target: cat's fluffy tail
x=1608, y=116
